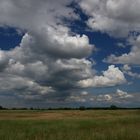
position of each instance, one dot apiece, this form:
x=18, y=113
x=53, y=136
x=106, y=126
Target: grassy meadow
x=70, y=125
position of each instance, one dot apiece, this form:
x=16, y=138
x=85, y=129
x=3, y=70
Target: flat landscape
x=70, y=125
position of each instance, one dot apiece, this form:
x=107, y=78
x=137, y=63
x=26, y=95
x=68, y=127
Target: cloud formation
x=118, y=18
x=122, y=94
x=111, y=77
x=119, y=97
x=115, y=17
x=51, y=60
x=127, y=70
x=132, y=58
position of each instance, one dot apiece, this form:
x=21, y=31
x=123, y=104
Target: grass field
x=70, y=125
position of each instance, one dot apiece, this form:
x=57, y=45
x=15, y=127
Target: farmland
x=70, y=125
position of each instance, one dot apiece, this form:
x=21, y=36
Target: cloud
x=105, y=97
x=46, y=71
x=21, y=85
x=17, y=13
x=51, y=61
x=119, y=97
x=122, y=94
x=46, y=29
x=76, y=99
x=111, y=77
x=115, y=17
x=132, y=74
x=121, y=45
x=132, y=58
x=84, y=93
x=127, y=70
x=50, y=56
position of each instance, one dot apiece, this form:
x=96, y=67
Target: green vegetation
x=70, y=125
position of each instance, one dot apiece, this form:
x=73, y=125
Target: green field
x=70, y=125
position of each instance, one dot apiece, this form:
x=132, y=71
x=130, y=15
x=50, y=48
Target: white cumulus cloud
x=111, y=77
x=132, y=58
x=115, y=17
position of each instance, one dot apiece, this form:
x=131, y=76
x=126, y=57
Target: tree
x=1, y=107
x=113, y=107
x=82, y=108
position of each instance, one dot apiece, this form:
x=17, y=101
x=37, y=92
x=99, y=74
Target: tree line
x=112, y=107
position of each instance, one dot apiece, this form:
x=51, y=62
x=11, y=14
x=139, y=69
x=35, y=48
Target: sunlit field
x=70, y=125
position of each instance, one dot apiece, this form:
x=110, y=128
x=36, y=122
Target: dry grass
x=70, y=125
x=69, y=114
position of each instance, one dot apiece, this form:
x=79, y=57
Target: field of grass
x=70, y=125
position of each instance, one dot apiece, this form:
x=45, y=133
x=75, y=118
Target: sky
x=69, y=53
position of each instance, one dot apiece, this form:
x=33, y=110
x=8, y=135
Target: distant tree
x=50, y=108
x=1, y=107
x=113, y=107
x=82, y=108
